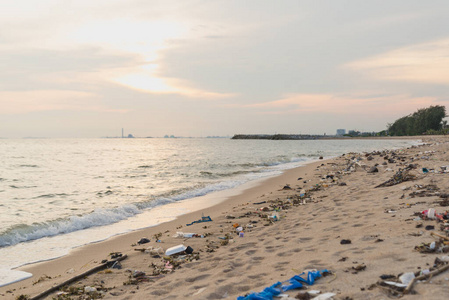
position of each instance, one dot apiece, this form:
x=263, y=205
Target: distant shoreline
x=313, y=137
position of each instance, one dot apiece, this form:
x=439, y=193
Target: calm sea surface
x=58, y=194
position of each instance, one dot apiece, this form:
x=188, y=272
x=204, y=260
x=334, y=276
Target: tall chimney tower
x=122, y=133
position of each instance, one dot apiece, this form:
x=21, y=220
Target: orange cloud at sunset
x=334, y=104
x=20, y=102
x=425, y=63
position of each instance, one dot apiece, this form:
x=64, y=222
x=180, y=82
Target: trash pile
x=403, y=283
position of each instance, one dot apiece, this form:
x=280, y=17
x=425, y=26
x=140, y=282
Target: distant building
x=341, y=131
x=354, y=133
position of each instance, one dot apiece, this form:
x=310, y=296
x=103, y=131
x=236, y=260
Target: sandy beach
x=329, y=214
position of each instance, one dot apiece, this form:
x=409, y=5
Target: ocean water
x=59, y=194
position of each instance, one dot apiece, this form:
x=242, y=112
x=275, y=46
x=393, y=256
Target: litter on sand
x=178, y=249
x=276, y=289
x=203, y=219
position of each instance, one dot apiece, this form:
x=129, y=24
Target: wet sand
x=340, y=203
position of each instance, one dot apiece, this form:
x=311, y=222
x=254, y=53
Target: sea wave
x=99, y=217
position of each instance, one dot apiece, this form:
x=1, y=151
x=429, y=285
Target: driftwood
x=107, y=264
x=409, y=288
x=440, y=236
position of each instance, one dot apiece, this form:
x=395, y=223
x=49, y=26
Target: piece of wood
x=439, y=235
x=408, y=289
x=107, y=264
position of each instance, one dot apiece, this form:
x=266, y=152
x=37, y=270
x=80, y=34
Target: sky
x=88, y=68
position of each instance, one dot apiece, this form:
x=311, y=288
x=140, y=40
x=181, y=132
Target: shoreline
x=249, y=247
x=158, y=215
x=94, y=250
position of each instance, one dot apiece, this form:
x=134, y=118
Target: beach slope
x=359, y=216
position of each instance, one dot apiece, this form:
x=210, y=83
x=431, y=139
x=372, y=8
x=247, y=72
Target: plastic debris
x=143, y=241
x=89, y=289
x=178, y=249
x=293, y=283
x=154, y=251
x=396, y=284
x=203, y=219
x=273, y=217
x=187, y=235
x=406, y=278
x=325, y=296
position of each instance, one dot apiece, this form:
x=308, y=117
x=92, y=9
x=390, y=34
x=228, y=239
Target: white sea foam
x=8, y=276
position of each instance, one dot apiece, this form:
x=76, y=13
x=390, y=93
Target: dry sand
x=379, y=222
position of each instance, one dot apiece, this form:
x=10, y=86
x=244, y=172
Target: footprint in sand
x=193, y=279
x=370, y=248
x=314, y=261
x=282, y=254
x=257, y=276
x=159, y=292
x=358, y=252
x=243, y=246
x=304, y=239
x=166, y=282
x=270, y=249
x=257, y=258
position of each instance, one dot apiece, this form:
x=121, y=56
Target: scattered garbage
x=406, y=278
x=203, y=219
x=401, y=176
x=273, y=217
x=143, y=241
x=116, y=265
x=373, y=170
x=154, y=251
x=89, y=289
x=325, y=296
x=433, y=247
x=431, y=214
x=276, y=289
x=187, y=235
x=178, y=249
x=344, y=242
x=262, y=202
x=358, y=268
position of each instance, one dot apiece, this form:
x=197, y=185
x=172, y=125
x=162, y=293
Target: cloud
x=145, y=79
x=341, y=105
x=426, y=63
x=21, y=102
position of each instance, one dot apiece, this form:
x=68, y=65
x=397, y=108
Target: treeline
x=424, y=121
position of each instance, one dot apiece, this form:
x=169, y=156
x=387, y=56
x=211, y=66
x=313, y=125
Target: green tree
x=422, y=121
